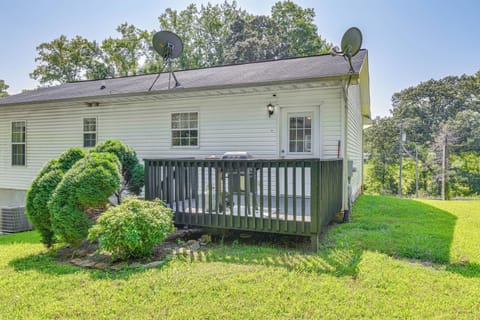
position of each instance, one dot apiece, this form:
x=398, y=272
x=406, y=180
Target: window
x=300, y=133
x=185, y=129
x=89, y=132
x=18, y=143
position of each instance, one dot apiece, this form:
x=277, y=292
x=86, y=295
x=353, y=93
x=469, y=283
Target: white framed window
x=89, y=132
x=300, y=133
x=184, y=126
x=19, y=143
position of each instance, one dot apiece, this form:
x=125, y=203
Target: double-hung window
x=184, y=126
x=89, y=132
x=19, y=143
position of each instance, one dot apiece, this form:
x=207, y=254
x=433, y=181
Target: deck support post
x=314, y=242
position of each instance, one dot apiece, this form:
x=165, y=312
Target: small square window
x=184, y=129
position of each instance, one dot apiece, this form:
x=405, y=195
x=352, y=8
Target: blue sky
x=408, y=41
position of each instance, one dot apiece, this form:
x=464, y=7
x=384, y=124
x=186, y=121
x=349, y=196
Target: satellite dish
x=351, y=42
x=167, y=44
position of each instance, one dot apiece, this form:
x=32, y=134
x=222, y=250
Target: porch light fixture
x=270, y=109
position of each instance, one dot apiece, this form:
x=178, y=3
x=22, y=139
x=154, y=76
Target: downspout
x=347, y=171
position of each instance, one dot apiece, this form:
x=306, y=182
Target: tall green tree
x=122, y=56
x=295, y=33
x=64, y=60
x=381, y=145
x=441, y=119
x=3, y=88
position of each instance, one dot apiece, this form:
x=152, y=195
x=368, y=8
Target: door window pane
x=300, y=134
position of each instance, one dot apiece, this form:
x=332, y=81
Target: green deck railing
x=291, y=196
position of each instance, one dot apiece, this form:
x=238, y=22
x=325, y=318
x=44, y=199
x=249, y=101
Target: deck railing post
x=314, y=205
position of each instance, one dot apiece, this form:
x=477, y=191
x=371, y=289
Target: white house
x=317, y=110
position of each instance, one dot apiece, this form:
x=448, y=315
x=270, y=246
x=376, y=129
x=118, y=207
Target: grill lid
x=234, y=155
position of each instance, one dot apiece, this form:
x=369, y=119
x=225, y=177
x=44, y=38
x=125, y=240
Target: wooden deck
x=292, y=196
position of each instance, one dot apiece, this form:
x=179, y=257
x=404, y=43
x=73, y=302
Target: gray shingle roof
x=240, y=74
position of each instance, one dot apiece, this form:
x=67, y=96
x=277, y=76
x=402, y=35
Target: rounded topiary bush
x=42, y=188
x=131, y=169
x=132, y=229
x=88, y=184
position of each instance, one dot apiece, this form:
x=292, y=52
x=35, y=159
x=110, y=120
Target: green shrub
x=42, y=189
x=131, y=168
x=132, y=229
x=88, y=184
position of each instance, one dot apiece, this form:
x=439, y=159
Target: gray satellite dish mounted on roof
x=351, y=44
x=169, y=46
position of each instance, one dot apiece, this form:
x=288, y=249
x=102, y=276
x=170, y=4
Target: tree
x=223, y=33
x=64, y=60
x=122, y=55
x=442, y=120
x=3, y=88
x=88, y=184
x=295, y=34
x=381, y=143
x=42, y=188
x=131, y=170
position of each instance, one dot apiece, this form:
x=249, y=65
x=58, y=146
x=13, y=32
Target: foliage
x=3, y=88
x=212, y=34
x=466, y=174
x=366, y=262
x=41, y=191
x=122, y=55
x=131, y=169
x=438, y=116
x=132, y=229
x=88, y=184
x=64, y=60
x=381, y=142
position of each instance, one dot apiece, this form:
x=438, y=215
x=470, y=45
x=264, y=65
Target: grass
x=398, y=258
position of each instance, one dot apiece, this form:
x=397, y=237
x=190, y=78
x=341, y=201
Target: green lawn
x=396, y=259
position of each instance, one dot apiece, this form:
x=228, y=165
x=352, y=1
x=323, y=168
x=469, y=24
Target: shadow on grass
x=401, y=228
x=21, y=237
x=47, y=263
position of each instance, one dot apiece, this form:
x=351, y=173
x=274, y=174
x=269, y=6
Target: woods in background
x=441, y=121
x=212, y=35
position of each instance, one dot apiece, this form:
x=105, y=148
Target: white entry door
x=299, y=133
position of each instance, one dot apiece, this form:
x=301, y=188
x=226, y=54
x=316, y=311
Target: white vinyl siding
x=355, y=140
x=228, y=121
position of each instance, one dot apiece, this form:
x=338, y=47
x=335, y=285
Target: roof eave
x=162, y=92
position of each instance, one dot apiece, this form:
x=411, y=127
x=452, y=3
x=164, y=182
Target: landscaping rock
x=100, y=265
x=205, y=239
x=154, y=264
x=118, y=266
x=134, y=265
x=193, y=244
x=80, y=253
x=84, y=263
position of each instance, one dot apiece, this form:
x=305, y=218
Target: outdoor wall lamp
x=270, y=109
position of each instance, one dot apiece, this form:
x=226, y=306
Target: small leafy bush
x=132, y=229
x=88, y=184
x=42, y=188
